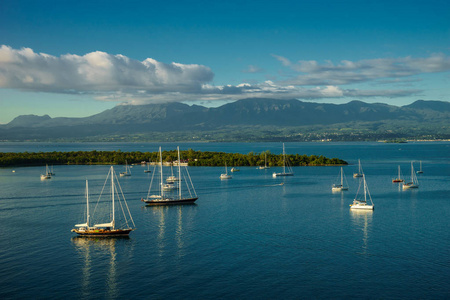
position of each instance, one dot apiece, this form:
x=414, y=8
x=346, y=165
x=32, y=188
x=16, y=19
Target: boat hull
x=103, y=232
x=168, y=201
x=339, y=189
x=397, y=180
x=362, y=207
x=410, y=186
x=282, y=174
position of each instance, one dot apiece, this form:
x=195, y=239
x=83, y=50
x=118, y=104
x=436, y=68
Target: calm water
x=245, y=238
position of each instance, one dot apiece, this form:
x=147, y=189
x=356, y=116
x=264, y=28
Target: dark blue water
x=245, y=238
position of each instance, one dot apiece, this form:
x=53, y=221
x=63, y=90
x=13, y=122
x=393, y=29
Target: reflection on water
x=362, y=219
x=184, y=217
x=92, y=248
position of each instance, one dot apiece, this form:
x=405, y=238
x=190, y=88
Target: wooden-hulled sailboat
x=362, y=203
x=414, y=183
x=162, y=198
x=284, y=173
x=107, y=229
x=340, y=187
x=360, y=172
x=399, y=177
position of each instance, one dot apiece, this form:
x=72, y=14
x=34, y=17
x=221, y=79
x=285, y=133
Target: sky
x=78, y=58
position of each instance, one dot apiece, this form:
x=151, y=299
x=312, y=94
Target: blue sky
x=78, y=58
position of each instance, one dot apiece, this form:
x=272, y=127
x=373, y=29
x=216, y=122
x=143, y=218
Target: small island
x=191, y=157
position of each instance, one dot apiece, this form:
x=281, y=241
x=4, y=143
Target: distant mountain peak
x=28, y=120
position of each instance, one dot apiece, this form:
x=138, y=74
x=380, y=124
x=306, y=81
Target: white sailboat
x=414, y=183
x=107, y=229
x=161, y=198
x=420, y=170
x=362, y=203
x=340, y=187
x=265, y=163
x=172, y=178
x=47, y=174
x=225, y=175
x=127, y=170
x=284, y=173
x=360, y=172
x=399, y=177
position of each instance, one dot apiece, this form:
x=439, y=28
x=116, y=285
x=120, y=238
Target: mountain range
x=260, y=119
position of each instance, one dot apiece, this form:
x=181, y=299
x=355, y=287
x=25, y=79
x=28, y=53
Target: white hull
x=339, y=189
x=410, y=186
x=362, y=207
x=225, y=176
x=45, y=177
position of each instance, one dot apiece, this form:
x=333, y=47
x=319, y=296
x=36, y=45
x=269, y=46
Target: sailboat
x=107, y=229
x=148, y=168
x=162, y=198
x=363, y=203
x=360, y=172
x=340, y=187
x=172, y=178
x=47, y=174
x=265, y=163
x=399, y=178
x=226, y=175
x=420, y=171
x=284, y=173
x=127, y=170
x=414, y=183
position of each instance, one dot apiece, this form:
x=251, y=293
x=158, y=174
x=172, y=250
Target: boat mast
x=160, y=158
x=87, y=204
x=284, y=160
x=179, y=172
x=365, y=188
x=112, y=193
x=342, y=177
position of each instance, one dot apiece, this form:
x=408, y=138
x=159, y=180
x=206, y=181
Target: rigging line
x=101, y=193
x=151, y=182
x=125, y=202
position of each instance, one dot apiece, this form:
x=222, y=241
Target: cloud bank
x=349, y=72
x=118, y=78
x=96, y=72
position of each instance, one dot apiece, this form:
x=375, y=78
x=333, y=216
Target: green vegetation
x=194, y=158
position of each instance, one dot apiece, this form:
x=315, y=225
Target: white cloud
x=96, y=71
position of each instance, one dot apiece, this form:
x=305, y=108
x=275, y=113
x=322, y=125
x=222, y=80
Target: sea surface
x=245, y=238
